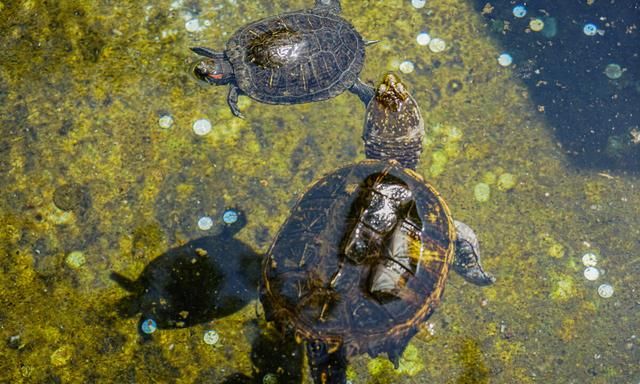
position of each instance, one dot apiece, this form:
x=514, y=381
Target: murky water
x=93, y=184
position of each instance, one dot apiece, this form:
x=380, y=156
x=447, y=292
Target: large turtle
x=296, y=57
x=363, y=258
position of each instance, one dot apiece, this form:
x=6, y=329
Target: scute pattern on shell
x=306, y=254
x=316, y=55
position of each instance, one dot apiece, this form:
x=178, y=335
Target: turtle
x=295, y=57
x=206, y=278
x=363, y=258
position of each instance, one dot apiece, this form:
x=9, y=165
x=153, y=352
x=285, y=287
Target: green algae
x=471, y=360
x=82, y=87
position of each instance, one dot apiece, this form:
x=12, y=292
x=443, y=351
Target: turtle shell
x=296, y=57
x=373, y=304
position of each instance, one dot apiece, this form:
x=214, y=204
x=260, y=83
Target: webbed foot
x=232, y=100
x=467, y=258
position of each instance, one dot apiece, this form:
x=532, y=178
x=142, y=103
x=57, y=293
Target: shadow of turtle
x=204, y=279
x=275, y=359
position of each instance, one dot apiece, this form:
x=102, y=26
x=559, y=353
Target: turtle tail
x=326, y=367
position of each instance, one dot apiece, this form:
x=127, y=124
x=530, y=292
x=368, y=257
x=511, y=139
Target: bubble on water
x=211, y=337
x=205, y=223
x=406, y=66
x=202, y=127
x=423, y=38
x=589, y=259
x=505, y=59
x=437, y=45
x=165, y=121
x=591, y=273
x=590, y=29
x=613, y=71
x=149, y=326
x=605, y=291
x=519, y=11
x=418, y=3
x=536, y=25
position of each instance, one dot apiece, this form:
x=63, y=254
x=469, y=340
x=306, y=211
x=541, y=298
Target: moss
x=471, y=360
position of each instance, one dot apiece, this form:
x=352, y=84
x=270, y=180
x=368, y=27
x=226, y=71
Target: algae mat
x=93, y=184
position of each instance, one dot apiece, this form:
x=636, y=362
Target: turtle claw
x=467, y=258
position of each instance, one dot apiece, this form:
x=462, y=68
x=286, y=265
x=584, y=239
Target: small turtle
x=296, y=57
x=363, y=258
x=206, y=278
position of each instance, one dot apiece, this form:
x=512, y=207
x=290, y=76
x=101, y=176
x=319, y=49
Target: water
x=83, y=86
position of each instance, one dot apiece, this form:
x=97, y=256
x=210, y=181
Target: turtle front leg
x=467, y=258
x=232, y=100
x=363, y=91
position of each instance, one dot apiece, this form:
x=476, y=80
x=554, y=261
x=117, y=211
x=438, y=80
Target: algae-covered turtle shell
x=295, y=57
x=369, y=302
x=206, y=278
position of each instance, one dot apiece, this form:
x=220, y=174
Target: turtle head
x=214, y=68
x=393, y=127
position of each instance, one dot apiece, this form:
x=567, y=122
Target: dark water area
x=595, y=118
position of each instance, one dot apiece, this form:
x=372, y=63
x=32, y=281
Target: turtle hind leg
x=467, y=258
x=363, y=91
x=326, y=367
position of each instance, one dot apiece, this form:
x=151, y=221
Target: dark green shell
x=296, y=57
x=308, y=253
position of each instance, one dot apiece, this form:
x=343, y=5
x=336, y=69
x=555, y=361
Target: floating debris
x=482, y=192
x=202, y=127
x=406, y=66
x=605, y=291
x=589, y=259
x=590, y=29
x=205, y=223
x=591, y=273
x=230, y=216
x=613, y=71
x=536, y=25
x=519, y=11
x=423, y=38
x=437, y=45
x=505, y=59
x=165, y=121
x=418, y=3
x=211, y=337
x=149, y=326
